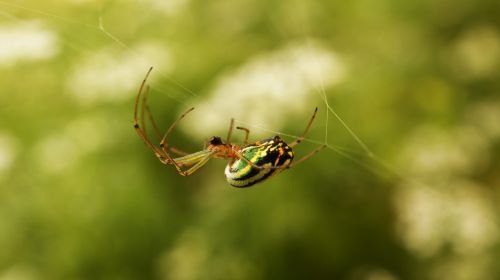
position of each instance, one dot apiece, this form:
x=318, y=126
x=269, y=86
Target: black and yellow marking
x=268, y=153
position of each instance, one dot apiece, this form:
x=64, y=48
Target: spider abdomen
x=270, y=154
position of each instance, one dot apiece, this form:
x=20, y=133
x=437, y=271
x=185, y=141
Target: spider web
x=363, y=156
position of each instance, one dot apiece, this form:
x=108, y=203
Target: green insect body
x=268, y=153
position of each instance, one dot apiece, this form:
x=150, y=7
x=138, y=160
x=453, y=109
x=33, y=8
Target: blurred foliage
x=82, y=198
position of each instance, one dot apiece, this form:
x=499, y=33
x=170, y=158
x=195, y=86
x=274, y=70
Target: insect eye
x=215, y=141
x=277, y=138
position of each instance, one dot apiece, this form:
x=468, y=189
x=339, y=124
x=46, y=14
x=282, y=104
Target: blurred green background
x=81, y=197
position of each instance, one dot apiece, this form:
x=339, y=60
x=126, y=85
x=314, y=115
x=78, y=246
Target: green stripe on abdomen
x=268, y=153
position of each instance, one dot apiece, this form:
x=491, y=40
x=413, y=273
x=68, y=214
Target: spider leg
x=287, y=166
x=164, y=145
x=294, y=143
x=301, y=137
x=298, y=140
x=229, y=134
x=242, y=157
x=315, y=151
x=247, y=132
x=142, y=134
x=153, y=124
x=197, y=166
x=178, y=152
x=193, y=158
x=230, y=131
x=145, y=108
x=197, y=160
x=163, y=140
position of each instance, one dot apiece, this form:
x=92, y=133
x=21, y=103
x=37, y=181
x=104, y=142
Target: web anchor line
x=100, y=27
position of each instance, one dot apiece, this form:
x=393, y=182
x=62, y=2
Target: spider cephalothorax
x=215, y=140
x=249, y=163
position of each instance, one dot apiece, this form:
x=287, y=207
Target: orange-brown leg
x=142, y=134
x=164, y=145
x=301, y=137
x=247, y=133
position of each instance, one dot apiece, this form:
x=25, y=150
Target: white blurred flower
x=193, y=256
x=451, y=211
x=476, y=53
x=459, y=214
x=186, y=260
x=268, y=89
x=432, y=152
x=169, y=7
x=465, y=268
x=19, y=272
x=486, y=116
x=114, y=76
x=61, y=150
x=29, y=41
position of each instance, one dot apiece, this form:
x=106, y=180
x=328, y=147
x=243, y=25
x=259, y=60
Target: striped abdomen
x=271, y=152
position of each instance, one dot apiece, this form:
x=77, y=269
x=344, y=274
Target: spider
x=249, y=163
